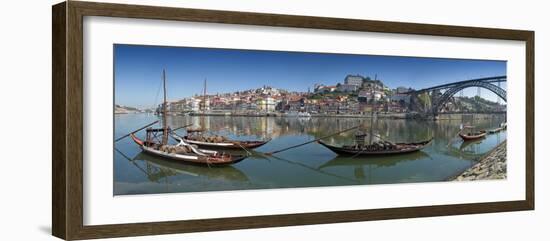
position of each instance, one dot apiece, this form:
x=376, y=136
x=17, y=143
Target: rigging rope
x=157, y=96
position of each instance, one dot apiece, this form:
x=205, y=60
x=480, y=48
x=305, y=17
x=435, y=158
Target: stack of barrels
x=176, y=149
x=212, y=139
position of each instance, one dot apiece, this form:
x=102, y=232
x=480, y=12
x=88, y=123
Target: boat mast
x=204, y=97
x=164, y=111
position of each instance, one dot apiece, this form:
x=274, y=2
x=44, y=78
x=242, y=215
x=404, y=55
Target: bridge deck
x=449, y=85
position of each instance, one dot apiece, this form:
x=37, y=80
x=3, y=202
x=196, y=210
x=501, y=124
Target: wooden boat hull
x=226, y=145
x=477, y=136
x=194, y=159
x=402, y=148
x=190, y=158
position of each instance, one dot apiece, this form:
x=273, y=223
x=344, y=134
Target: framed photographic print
x=171, y=120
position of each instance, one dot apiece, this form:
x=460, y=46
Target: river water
x=311, y=165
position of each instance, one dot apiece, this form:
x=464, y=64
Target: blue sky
x=138, y=71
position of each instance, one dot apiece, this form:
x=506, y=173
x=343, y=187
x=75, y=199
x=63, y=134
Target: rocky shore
x=491, y=166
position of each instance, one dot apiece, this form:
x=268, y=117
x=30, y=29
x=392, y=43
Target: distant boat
x=500, y=128
x=493, y=131
x=471, y=134
x=377, y=148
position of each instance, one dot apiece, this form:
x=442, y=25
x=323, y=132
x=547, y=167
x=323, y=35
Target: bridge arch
x=452, y=91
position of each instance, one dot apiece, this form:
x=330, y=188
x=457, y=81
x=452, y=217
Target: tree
x=425, y=99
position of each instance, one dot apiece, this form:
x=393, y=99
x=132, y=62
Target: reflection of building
x=200, y=122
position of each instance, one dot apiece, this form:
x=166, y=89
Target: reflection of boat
x=375, y=161
x=317, y=170
x=466, y=144
x=373, y=149
x=225, y=173
x=157, y=145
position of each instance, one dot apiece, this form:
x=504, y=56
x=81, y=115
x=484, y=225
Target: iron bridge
x=452, y=88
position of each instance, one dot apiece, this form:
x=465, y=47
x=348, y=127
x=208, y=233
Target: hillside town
x=354, y=95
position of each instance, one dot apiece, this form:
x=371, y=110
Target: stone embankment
x=491, y=166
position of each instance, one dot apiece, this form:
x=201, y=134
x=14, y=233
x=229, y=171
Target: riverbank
x=381, y=115
x=277, y=114
x=474, y=116
x=491, y=166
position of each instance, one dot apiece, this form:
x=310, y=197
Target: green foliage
x=475, y=103
x=425, y=99
x=316, y=96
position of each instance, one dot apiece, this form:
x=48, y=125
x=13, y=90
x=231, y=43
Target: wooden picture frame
x=67, y=150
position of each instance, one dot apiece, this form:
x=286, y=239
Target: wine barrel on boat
x=377, y=148
x=217, y=142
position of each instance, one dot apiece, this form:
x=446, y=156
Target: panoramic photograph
x=189, y=119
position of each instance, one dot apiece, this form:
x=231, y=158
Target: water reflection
x=307, y=166
x=159, y=170
x=471, y=146
x=375, y=161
